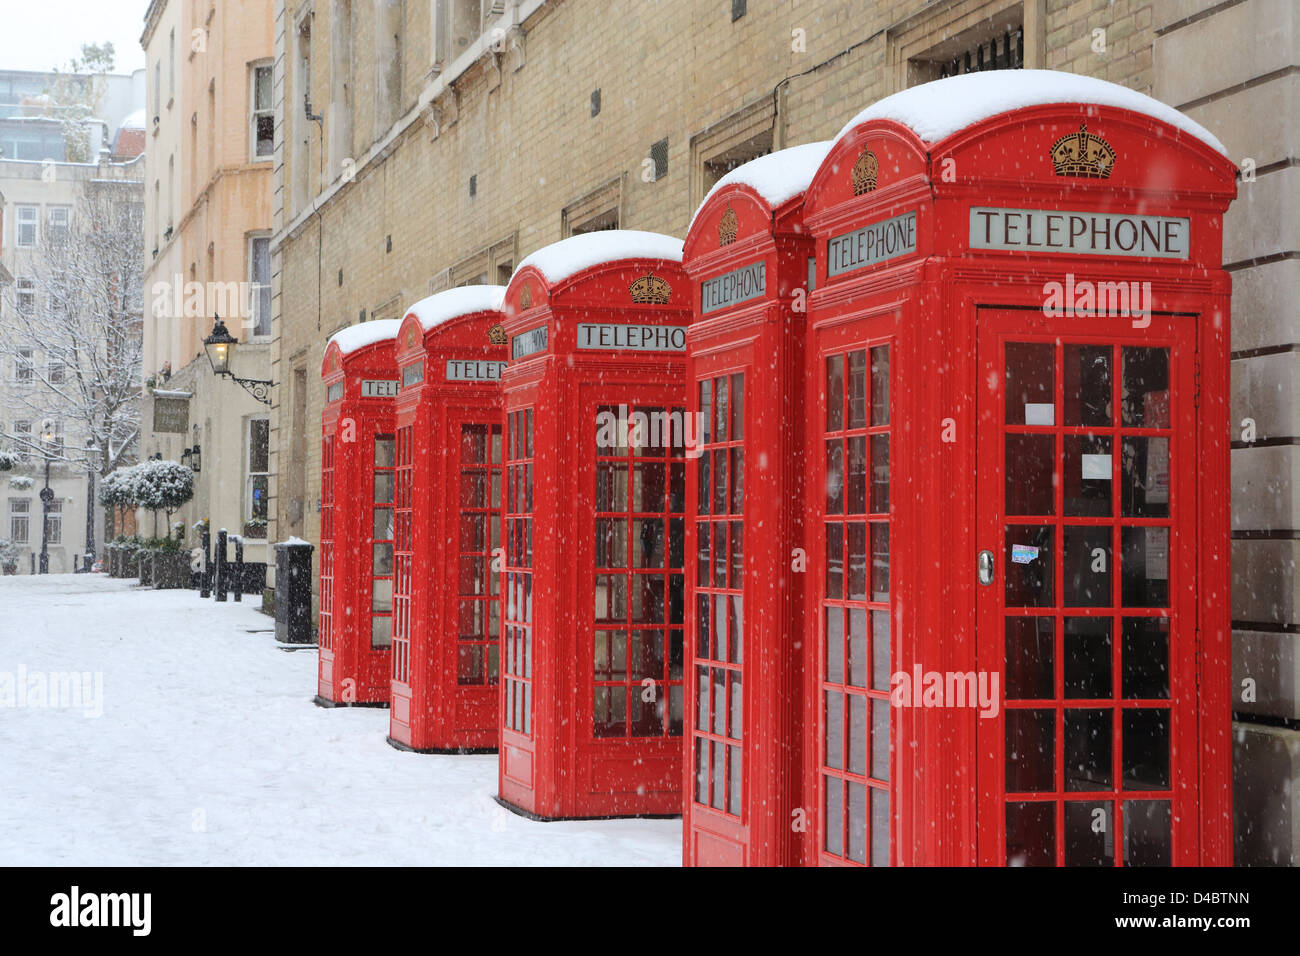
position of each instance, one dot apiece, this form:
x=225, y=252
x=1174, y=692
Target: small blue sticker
x=1023, y=554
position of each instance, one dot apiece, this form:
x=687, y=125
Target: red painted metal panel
x=358, y=429
x=447, y=597
x=591, y=668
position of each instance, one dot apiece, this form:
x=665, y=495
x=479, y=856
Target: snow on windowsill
x=938, y=109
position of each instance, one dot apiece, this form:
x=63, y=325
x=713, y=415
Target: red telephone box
x=358, y=462
x=591, y=684
x=447, y=510
x=1017, y=431
x=749, y=259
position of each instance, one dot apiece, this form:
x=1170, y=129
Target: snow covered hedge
x=155, y=485
x=8, y=461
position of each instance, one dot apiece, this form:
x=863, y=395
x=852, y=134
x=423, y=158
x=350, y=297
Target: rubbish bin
x=293, y=591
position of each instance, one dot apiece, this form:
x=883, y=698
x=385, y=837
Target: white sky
x=42, y=34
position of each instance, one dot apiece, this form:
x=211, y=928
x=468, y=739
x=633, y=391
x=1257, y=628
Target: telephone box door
x=1086, y=590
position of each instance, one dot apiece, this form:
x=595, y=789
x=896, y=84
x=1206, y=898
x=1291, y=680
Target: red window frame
x=403, y=555
x=517, y=669
x=718, y=654
x=385, y=474
x=325, y=638
x=854, y=722
x=1034, y=811
x=638, y=626
x=478, y=587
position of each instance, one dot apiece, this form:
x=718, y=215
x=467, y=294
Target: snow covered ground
x=209, y=751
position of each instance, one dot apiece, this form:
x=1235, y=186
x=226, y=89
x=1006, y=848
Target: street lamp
x=219, y=346
x=47, y=495
x=196, y=460
x=91, y=450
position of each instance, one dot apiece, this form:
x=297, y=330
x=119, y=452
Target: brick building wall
x=514, y=115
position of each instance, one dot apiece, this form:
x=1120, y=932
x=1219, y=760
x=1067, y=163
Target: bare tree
x=77, y=93
x=83, y=315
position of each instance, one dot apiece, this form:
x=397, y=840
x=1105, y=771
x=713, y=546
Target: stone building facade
x=432, y=143
x=208, y=218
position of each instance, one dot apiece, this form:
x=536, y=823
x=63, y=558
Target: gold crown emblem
x=650, y=289
x=1083, y=154
x=497, y=335
x=526, y=296
x=727, y=227
x=864, y=172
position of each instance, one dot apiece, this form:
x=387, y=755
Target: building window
x=720, y=594
x=58, y=223
x=958, y=38
x=1004, y=52
x=638, y=614
x=171, y=67
x=599, y=210
x=25, y=371
x=262, y=124
x=20, y=516
x=56, y=372
x=478, y=268
x=22, y=434
x=25, y=295
x=259, y=283
x=28, y=232
x=157, y=91
x=258, y=480
x=728, y=143
x=54, y=522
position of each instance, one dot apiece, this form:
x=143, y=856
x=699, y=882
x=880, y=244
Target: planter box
x=170, y=569
x=143, y=567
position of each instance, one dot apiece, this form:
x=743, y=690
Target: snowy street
x=209, y=751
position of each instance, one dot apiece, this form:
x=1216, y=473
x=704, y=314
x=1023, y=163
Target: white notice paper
x=1096, y=467
x=1040, y=413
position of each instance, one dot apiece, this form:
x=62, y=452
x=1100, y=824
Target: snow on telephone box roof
x=356, y=337
x=452, y=303
x=777, y=177
x=566, y=258
x=936, y=110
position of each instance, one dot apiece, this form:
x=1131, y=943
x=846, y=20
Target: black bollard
x=239, y=567
x=220, y=563
x=205, y=582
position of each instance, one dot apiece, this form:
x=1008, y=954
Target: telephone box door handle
x=986, y=567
